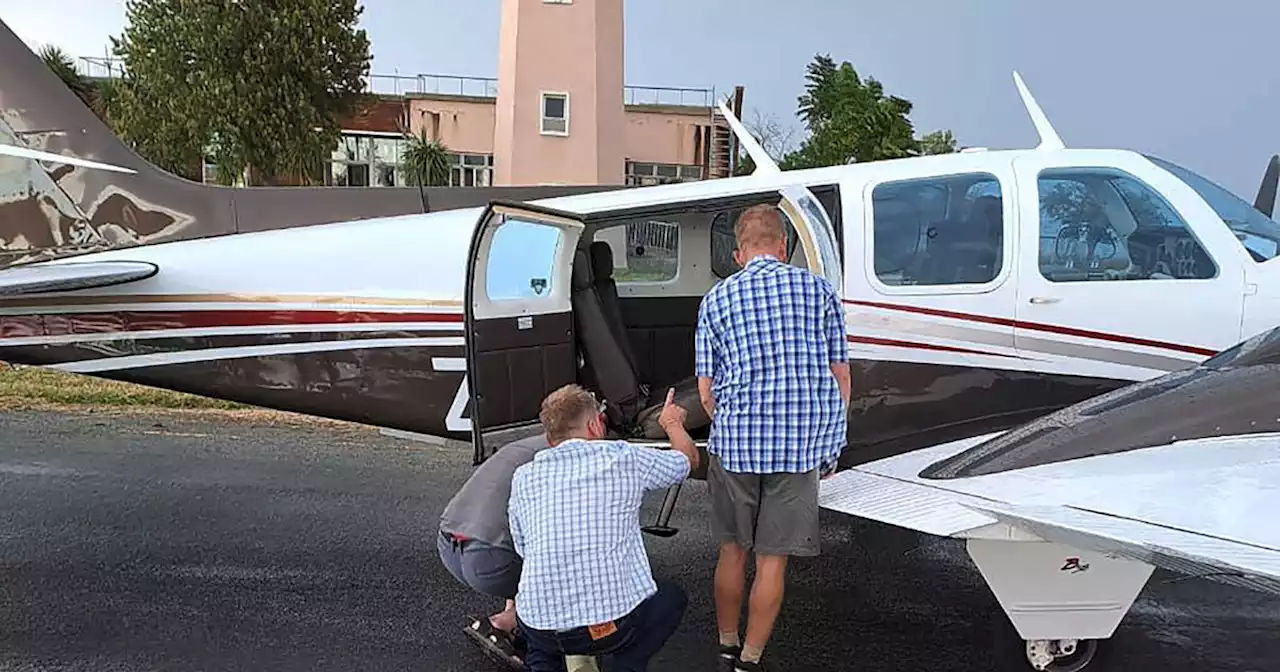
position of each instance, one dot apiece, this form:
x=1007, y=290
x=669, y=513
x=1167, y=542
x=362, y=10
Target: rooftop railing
x=454, y=85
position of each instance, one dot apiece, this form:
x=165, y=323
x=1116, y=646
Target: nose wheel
x=1060, y=655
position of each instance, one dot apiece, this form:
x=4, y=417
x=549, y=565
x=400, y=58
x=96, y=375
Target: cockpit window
x=1258, y=233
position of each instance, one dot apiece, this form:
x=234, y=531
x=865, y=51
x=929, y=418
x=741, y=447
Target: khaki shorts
x=769, y=514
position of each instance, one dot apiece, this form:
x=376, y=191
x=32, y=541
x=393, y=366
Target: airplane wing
x=1199, y=508
x=62, y=277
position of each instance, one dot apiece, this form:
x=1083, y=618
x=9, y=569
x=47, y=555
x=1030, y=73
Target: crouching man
x=587, y=588
x=475, y=541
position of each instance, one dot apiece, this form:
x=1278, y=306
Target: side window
x=644, y=251
x=1104, y=224
x=723, y=242
x=938, y=231
x=522, y=260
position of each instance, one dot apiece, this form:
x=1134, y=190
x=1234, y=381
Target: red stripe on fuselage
x=69, y=324
x=894, y=343
x=1038, y=326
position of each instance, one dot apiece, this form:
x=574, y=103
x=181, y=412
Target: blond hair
x=759, y=226
x=565, y=410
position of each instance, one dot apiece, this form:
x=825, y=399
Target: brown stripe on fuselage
x=895, y=343
x=317, y=299
x=1039, y=326
x=63, y=353
x=71, y=324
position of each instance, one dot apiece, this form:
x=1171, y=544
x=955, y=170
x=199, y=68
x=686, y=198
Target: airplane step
x=898, y=502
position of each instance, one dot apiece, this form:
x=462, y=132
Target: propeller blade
x=1266, y=200
x=24, y=153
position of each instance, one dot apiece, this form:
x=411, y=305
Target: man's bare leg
x=766, y=602
x=505, y=620
x=731, y=574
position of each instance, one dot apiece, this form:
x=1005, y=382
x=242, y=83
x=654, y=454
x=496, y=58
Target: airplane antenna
x=1266, y=199
x=764, y=162
x=1048, y=137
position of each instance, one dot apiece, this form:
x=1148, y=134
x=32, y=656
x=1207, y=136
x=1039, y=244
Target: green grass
x=32, y=387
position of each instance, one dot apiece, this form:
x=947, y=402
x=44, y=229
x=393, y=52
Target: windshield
x=1258, y=233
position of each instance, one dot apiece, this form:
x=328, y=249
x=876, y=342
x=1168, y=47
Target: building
x=671, y=134
x=558, y=113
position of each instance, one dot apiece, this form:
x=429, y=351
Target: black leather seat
x=632, y=409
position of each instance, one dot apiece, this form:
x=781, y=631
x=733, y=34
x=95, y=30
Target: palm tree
x=426, y=161
x=64, y=67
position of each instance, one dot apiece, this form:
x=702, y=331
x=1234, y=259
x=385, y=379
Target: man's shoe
x=728, y=655
x=744, y=666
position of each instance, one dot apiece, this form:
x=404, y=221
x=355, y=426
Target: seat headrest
x=601, y=260
x=581, y=271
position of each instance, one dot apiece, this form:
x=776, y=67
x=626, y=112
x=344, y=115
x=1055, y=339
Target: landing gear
x=661, y=527
x=1061, y=601
x=1060, y=655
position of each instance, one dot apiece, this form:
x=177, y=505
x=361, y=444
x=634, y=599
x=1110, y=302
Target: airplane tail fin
x=98, y=193
x=1266, y=199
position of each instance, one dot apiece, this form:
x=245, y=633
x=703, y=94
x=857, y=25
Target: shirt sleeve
x=513, y=517
x=660, y=468
x=834, y=326
x=703, y=343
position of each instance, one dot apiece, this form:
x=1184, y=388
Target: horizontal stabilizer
x=915, y=506
x=1237, y=563
x=65, y=277
x=36, y=155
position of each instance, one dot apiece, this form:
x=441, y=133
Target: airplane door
x=1117, y=280
x=817, y=235
x=520, y=337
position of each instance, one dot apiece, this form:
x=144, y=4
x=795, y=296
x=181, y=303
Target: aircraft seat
x=602, y=274
x=630, y=409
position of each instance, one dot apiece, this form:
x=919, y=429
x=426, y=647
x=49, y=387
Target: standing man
x=475, y=542
x=773, y=374
x=587, y=588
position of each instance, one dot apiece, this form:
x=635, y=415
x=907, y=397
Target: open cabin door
x=519, y=321
x=816, y=234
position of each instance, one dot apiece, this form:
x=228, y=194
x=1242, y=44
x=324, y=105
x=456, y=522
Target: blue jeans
x=640, y=635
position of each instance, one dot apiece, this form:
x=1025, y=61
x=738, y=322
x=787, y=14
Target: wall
x=664, y=134
x=466, y=123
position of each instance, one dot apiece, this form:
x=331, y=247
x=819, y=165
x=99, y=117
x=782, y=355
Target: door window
x=938, y=231
x=1104, y=224
x=522, y=259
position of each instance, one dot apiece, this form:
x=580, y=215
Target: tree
x=937, y=142
x=426, y=161
x=256, y=86
x=776, y=139
x=851, y=119
x=64, y=67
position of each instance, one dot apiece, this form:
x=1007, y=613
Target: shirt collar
x=761, y=260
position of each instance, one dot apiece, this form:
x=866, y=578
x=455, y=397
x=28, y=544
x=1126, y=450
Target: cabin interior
x=635, y=281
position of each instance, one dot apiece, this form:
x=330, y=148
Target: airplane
x=983, y=289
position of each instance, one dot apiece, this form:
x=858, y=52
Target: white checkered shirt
x=575, y=519
x=767, y=337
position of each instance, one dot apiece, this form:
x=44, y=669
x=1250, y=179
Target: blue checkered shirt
x=767, y=337
x=575, y=519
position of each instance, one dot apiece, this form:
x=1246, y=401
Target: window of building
x=650, y=250
x=943, y=230
x=470, y=170
x=555, y=114
x=363, y=160
x=639, y=174
x=521, y=260
x=1105, y=224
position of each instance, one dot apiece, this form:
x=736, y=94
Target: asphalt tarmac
x=197, y=543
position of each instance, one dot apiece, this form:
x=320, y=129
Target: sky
x=1195, y=83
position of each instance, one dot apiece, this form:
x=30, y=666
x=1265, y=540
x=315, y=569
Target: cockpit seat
x=631, y=408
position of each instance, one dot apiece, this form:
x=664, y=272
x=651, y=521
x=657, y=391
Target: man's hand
x=672, y=422
x=672, y=416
